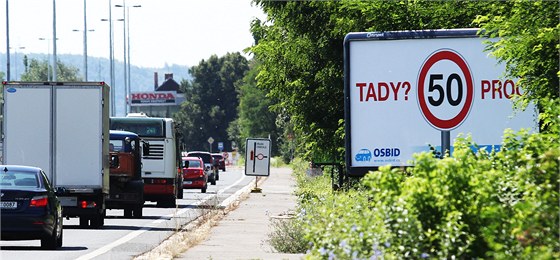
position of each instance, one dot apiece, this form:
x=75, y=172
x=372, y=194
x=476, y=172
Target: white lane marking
x=138, y=232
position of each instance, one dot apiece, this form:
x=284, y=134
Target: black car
x=29, y=207
x=209, y=165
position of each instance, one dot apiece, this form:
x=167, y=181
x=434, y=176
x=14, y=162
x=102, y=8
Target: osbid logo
x=386, y=152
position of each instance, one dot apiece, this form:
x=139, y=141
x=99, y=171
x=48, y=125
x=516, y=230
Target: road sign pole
x=445, y=143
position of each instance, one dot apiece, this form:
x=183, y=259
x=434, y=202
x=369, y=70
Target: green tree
x=212, y=101
x=301, y=50
x=529, y=45
x=37, y=70
x=2, y=75
x=255, y=118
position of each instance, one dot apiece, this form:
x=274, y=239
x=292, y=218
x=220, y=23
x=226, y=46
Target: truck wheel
x=172, y=202
x=98, y=220
x=137, y=212
x=180, y=192
x=84, y=222
x=127, y=213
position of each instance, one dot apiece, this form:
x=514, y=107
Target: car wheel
x=59, y=239
x=218, y=175
x=50, y=242
x=203, y=190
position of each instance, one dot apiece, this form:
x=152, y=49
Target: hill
x=142, y=78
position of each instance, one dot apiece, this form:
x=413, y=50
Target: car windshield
x=12, y=179
x=194, y=164
x=207, y=158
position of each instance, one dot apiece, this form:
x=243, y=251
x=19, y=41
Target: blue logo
x=363, y=155
x=11, y=90
x=386, y=152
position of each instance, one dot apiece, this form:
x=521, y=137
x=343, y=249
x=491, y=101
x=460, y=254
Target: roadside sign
x=445, y=89
x=257, y=157
x=407, y=92
x=221, y=146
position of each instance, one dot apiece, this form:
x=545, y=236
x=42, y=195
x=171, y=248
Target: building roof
x=169, y=85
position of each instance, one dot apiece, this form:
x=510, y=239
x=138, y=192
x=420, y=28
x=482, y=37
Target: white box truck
x=63, y=128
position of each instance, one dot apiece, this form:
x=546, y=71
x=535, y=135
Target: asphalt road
x=124, y=238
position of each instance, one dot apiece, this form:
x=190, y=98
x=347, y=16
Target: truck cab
x=126, y=185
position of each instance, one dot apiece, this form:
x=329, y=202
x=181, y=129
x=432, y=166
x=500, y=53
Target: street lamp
x=85, y=51
x=85, y=41
x=111, y=58
x=16, y=58
x=49, y=77
x=7, y=42
x=126, y=51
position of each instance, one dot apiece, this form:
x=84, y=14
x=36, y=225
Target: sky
x=181, y=32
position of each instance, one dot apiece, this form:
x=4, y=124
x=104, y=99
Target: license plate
x=187, y=182
x=68, y=201
x=8, y=204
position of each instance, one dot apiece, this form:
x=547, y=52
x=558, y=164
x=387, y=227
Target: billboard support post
x=445, y=143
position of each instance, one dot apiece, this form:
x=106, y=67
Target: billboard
x=156, y=98
x=408, y=91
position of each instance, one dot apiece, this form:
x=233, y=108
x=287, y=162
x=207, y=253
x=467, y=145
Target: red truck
x=126, y=186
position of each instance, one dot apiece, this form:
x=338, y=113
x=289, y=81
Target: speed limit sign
x=445, y=89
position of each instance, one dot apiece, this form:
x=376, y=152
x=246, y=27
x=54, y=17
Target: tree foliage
x=38, y=70
x=476, y=204
x=529, y=45
x=255, y=117
x=301, y=50
x=211, y=101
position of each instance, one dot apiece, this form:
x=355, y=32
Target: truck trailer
x=63, y=128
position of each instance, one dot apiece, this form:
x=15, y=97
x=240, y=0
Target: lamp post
x=54, y=42
x=16, y=59
x=49, y=77
x=126, y=51
x=111, y=58
x=85, y=30
x=7, y=43
x=85, y=51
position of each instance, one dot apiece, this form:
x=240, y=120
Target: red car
x=220, y=161
x=194, y=176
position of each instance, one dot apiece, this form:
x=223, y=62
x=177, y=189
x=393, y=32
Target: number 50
x=448, y=89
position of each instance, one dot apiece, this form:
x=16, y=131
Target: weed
x=287, y=235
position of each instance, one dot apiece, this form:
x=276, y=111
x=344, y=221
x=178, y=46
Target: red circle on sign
x=445, y=124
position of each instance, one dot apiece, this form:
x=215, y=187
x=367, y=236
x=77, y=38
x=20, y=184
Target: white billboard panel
x=403, y=89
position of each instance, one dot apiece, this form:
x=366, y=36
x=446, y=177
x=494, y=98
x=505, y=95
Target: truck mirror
x=60, y=191
x=146, y=148
x=114, y=161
